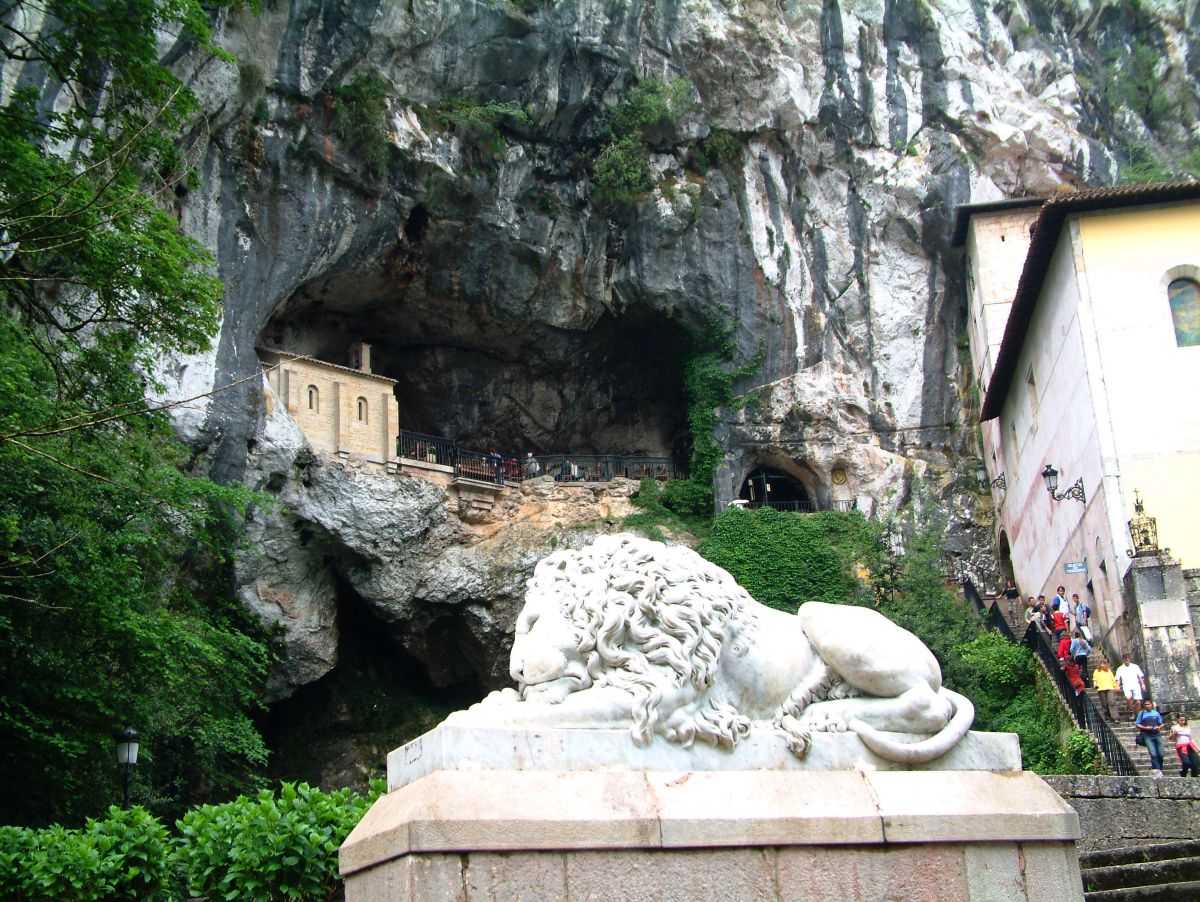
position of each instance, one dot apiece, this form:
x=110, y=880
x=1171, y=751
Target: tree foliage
x=115, y=604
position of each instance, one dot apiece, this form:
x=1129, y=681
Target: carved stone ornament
x=628, y=632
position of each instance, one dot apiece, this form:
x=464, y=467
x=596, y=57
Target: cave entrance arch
x=490, y=374
x=768, y=486
x=1005, y=557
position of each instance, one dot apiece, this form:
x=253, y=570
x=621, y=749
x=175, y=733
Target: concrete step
x=1147, y=873
x=1103, y=858
x=1151, y=872
x=1163, y=892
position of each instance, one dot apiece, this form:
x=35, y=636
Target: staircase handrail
x=1082, y=708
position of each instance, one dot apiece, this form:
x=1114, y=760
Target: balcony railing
x=599, y=467
x=427, y=449
x=503, y=468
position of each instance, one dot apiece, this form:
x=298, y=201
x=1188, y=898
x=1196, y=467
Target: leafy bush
x=652, y=110
x=123, y=857
x=479, y=123
x=622, y=172
x=361, y=107
x=720, y=149
x=269, y=847
x=1083, y=755
x=784, y=559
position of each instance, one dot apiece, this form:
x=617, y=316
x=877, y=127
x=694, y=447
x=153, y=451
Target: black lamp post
x=1075, y=491
x=127, y=752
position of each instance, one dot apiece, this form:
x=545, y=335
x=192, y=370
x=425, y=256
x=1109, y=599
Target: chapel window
x=362, y=410
x=1184, y=297
x=314, y=399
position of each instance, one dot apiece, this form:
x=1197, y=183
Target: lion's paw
x=825, y=722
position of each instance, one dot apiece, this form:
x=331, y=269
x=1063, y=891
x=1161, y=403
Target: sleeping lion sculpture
x=631, y=632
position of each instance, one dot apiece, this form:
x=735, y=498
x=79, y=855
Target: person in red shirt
x=1060, y=623
x=1064, y=649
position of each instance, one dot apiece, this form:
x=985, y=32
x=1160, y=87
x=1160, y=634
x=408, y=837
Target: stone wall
x=340, y=411
x=1131, y=811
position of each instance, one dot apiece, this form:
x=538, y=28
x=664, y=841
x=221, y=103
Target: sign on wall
x=1075, y=566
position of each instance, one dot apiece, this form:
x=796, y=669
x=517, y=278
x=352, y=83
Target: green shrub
x=361, y=107
x=1083, y=755
x=652, y=108
x=622, y=172
x=720, y=149
x=784, y=559
x=269, y=847
x=478, y=124
x=123, y=857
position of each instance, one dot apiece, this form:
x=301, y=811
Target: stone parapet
x=733, y=835
x=1115, y=812
x=453, y=747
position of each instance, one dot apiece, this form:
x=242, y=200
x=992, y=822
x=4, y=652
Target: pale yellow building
x=344, y=411
x=1084, y=327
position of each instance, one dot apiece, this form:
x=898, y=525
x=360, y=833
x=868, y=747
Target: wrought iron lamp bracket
x=1075, y=491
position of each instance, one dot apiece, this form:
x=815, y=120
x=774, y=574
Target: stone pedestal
x=455, y=827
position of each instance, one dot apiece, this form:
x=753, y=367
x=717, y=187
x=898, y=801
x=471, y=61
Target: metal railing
x=479, y=467
x=1085, y=712
x=991, y=613
x=598, y=467
x=429, y=449
x=803, y=507
x=501, y=469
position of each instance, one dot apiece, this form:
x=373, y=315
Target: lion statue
x=631, y=632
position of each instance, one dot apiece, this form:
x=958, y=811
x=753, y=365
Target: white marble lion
x=630, y=632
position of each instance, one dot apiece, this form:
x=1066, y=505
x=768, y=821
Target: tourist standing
x=1080, y=649
x=1105, y=682
x=1083, y=616
x=1045, y=611
x=1132, y=682
x=1060, y=623
x=1033, y=614
x=1185, y=747
x=1149, y=723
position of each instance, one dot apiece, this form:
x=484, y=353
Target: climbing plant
x=361, y=107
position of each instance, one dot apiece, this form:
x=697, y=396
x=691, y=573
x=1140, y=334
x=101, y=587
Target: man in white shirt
x=1132, y=682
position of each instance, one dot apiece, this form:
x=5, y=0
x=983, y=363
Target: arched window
x=362, y=410
x=1184, y=296
x=314, y=399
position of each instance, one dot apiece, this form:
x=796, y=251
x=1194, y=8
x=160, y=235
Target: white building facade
x=1084, y=329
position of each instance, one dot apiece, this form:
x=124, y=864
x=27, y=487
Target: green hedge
x=275, y=846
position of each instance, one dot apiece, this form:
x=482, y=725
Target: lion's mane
x=649, y=617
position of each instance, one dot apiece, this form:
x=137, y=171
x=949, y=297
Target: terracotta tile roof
x=333, y=366
x=1045, y=232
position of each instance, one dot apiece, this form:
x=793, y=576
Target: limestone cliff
x=515, y=309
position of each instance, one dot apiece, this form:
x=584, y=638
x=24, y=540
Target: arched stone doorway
x=768, y=486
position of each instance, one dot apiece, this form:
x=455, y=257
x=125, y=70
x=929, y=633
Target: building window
x=1184, y=296
x=314, y=399
x=362, y=410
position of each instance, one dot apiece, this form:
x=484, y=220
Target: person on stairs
x=1132, y=682
x=1106, y=687
x=1080, y=649
x=1149, y=723
x=1185, y=747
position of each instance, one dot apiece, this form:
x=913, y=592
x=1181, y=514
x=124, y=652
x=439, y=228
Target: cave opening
x=338, y=730
x=490, y=378
x=768, y=486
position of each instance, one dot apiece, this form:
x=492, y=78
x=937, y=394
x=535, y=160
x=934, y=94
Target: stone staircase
x=1166, y=871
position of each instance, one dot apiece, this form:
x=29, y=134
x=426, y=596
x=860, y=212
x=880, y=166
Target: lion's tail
x=925, y=749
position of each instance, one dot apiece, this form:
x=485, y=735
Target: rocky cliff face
x=517, y=310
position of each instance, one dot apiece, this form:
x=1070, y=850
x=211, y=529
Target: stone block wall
x=339, y=410
x=1131, y=811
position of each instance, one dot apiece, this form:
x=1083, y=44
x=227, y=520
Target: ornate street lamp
x=1143, y=529
x=127, y=752
x=1000, y=483
x=1075, y=491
